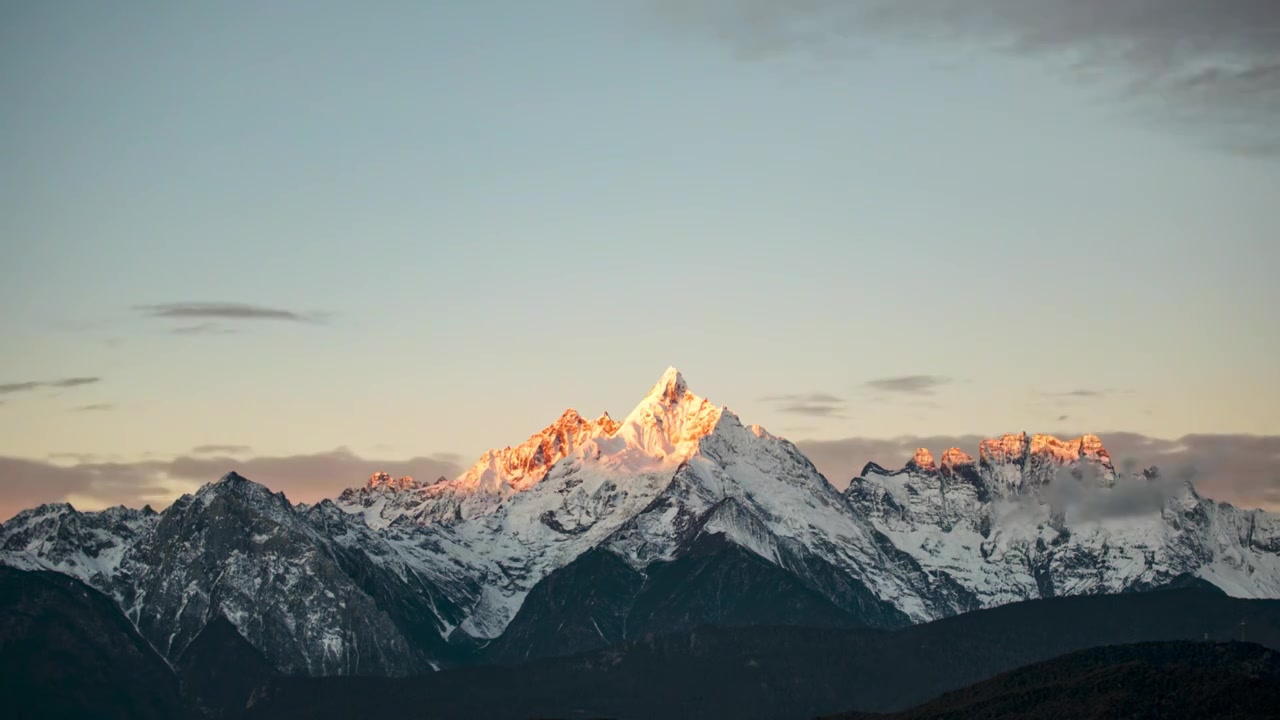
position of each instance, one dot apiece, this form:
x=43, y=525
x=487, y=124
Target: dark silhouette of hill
x=66, y=651
x=220, y=669
x=1165, y=681
x=783, y=672
x=598, y=600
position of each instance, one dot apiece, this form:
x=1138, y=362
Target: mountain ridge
x=413, y=574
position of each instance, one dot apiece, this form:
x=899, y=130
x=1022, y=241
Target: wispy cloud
x=1084, y=393
x=812, y=409
x=29, y=385
x=221, y=449
x=305, y=478
x=908, y=384
x=204, y=328
x=1077, y=394
x=818, y=404
x=74, y=382
x=1207, y=67
x=224, y=311
x=97, y=407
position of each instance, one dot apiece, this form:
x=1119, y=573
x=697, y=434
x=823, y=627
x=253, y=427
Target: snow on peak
x=670, y=388
x=955, y=456
x=385, y=481
x=607, y=424
x=1008, y=448
x=922, y=461
x=668, y=423
x=1068, y=450
x=235, y=485
x=1091, y=447
x=526, y=464
x=1013, y=448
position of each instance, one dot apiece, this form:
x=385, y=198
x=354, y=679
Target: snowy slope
x=88, y=546
x=676, y=466
x=1038, y=517
x=317, y=592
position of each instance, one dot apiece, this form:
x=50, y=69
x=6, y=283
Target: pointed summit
x=670, y=388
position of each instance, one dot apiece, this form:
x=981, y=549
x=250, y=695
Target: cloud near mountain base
x=1240, y=469
x=91, y=485
x=1243, y=470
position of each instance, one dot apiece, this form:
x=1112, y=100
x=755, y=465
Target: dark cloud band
x=1240, y=469
x=304, y=478
x=908, y=384
x=221, y=311
x=96, y=407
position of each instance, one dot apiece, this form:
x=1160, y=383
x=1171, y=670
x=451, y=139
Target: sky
x=318, y=239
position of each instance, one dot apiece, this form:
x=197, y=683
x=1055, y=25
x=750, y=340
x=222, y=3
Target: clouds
x=204, y=328
x=30, y=385
x=1093, y=502
x=915, y=388
x=817, y=405
x=908, y=384
x=1077, y=394
x=95, y=407
x=303, y=478
x=223, y=311
x=1240, y=469
x=26, y=483
x=221, y=450
x=1190, y=65
x=212, y=318
x=841, y=460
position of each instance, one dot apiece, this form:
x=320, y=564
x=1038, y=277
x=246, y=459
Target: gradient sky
x=451, y=220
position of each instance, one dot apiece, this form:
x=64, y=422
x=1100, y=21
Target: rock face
x=593, y=531
x=289, y=580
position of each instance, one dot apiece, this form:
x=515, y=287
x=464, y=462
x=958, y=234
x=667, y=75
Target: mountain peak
x=1006, y=448
x=670, y=388
x=526, y=464
x=385, y=480
x=607, y=424
x=235, y=485
x=955, y=456
x=922, y=461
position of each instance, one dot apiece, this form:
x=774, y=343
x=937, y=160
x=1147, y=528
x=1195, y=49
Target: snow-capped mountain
x=313, y=588
x=592, y=531
x=1037, y=516
x=675, y=468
